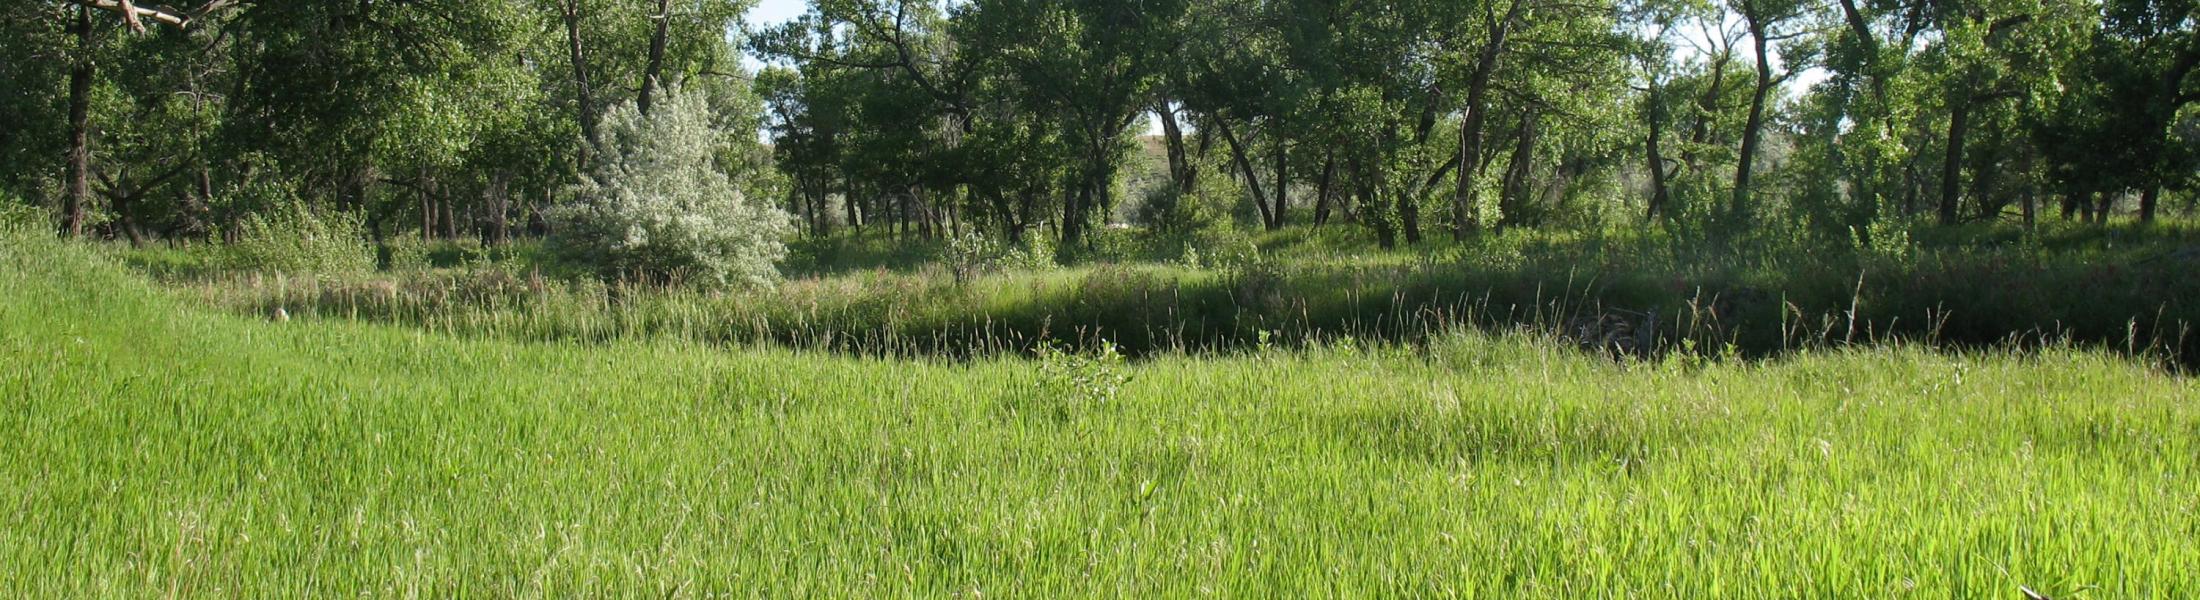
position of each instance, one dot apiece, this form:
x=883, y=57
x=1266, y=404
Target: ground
x=162, y=445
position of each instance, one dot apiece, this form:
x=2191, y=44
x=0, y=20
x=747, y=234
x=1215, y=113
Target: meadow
x=1098, y=298
x=159, y=443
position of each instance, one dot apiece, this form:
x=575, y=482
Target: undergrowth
x=1624, y=293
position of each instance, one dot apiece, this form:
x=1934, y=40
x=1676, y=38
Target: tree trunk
x=121, y=198
x=823, y=207
x=1654, y=155
x=1363, y=185
x=652, y=76
x=427, y=207
x=1753, y=129
x=1513, y=200
x=450, y=214
x=1986, y=178
x=1951, y=170
x=1027, y=204
x=2031, y=207
x=1180, y=165
x=203, y=208
x=1409, y=216
x=1104, y=191
x=1463, y=213
x=1707, y=106
x=80, y=128
x=2149, y=198
x=1073, y=230
x=848, y=202
x=585, y=101
x=1283, y=181
x=496, y=200
x=1245, y=166
x=1910, y=185
x=1321, y=189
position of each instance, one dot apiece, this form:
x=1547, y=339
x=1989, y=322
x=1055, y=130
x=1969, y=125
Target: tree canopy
x=447, y=118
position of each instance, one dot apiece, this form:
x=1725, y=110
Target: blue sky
x=773, y=11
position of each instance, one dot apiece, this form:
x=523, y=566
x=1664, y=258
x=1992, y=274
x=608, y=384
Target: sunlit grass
x=157, y=448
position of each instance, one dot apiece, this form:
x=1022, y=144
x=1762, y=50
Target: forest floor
x=158, y=443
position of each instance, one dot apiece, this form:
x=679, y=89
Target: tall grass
x=154, y=448
x=2134, y=294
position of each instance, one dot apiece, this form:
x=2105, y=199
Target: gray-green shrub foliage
x=654, y=204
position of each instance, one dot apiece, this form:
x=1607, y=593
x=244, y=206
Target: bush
x=18, y=217
x=408, y=255
x=1071, y=383
x=1885, y=240
x=292, y=239
x=654, y=204
x=972, y=254
x=1165, y=209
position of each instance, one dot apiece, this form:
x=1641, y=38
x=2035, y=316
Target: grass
x=2124, y=289
x=155, y=447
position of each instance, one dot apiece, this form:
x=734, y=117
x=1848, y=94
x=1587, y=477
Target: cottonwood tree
x=1768, y=22
x=2125, y=125
x=1092, y=65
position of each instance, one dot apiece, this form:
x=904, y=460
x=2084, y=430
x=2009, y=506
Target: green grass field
x=157, y=447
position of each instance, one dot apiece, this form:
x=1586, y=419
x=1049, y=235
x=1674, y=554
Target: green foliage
x=292, y=239
x=1076, y=383
x=1167, y=210
x=409, y=255
x=972, y=254
x=1885, y=241
x=656, y=206
x=17, y=217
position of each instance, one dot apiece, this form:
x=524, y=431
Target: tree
x=2144, y=56
x=1767, y=22
x=1093, y=65
x=655, y=203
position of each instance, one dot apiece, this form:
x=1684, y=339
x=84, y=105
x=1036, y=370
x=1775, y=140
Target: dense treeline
x=1411, y=118
x=448, y=118
x=1446, y=116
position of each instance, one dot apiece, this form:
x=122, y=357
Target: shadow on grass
x=1617, y=295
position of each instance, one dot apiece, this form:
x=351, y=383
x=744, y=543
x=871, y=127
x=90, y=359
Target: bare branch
x=131, y=13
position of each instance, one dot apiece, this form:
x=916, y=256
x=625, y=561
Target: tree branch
x=131, y=13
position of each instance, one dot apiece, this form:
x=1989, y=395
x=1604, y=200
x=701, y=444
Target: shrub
x=1885, y=240
x=972, y=254
x=408, y=255
x=1073, y=382
x=655, y=205
x=1166, y=209
x=290, y=238
x=18, y=217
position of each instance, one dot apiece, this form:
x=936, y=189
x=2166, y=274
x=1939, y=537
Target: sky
x=772, y=12
x=769, y=12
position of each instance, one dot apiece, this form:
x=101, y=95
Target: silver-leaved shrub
x=654, y=205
